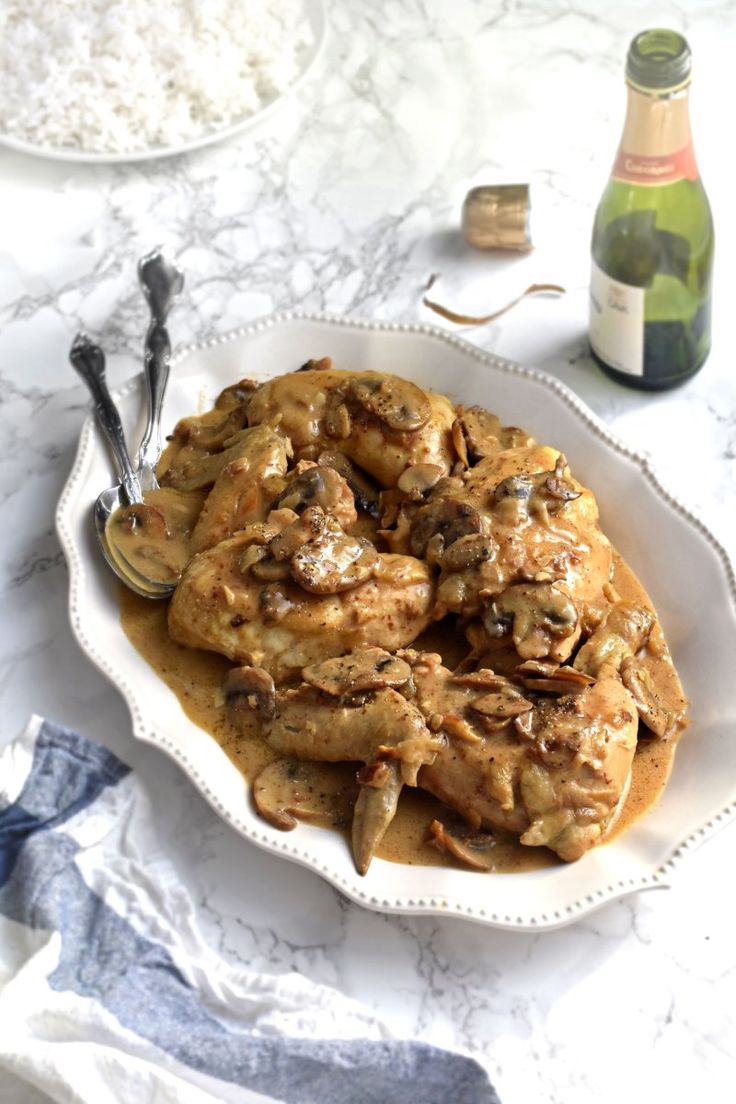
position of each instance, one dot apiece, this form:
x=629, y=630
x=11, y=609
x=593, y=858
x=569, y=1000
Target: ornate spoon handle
x=161, y=281
x=89, y=361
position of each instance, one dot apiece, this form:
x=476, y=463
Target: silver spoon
x=89, y=361
x=162, y=282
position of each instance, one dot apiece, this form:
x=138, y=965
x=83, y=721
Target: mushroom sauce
x=360, y=553
x=196, y=678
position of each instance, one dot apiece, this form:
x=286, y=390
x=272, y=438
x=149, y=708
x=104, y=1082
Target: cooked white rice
x=119, y=76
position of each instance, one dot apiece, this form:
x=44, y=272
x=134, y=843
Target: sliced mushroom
x=310, y=525
x=250, y=688
x=483, y=679
x=268, y=570
x=624, y=630
x=319, y=486
x=501, y=705
x=461, y=445
x=451, y=518
x=544, y=494
x=467, y=551
x=364, y=489
x=417, y=480
x=337, y=420
x=237, y=394
x=638, y=681
x=144, y=520
x=288, y=790
x=398, y=536
x=398, y=403
x=484, y=435
x=323, y=559
x=517, y=487
x=543, y=620
x=549, y=678
x=556, y=485
x=362, y=669
x=473, y=851
x=260, y=534
x=552, y=491
x=333, y=562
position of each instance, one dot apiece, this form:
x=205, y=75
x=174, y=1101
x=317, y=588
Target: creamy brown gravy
x=196, y=678
x=153, y=538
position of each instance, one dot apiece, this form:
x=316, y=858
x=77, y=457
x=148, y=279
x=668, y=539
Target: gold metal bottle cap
x=496, y=216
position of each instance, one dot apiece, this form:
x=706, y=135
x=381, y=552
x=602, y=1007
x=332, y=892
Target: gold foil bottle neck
x=496, y=216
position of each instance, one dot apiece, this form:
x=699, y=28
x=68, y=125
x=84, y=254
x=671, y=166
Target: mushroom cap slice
x=449, y=517
x=322, y=486
x=288, y=790
x=549, y=678
x=323, y=559
x=398, y=403
x=333, y=562
x=236, y=394
x=474, y=851
x=660, y=720
x=468, y=551
x=417, y=480
x=364, y=489
x=483, y=434
x=362, y=669
x=501, y=704
x=144, y=520
x=539, y=615
x=250, y=688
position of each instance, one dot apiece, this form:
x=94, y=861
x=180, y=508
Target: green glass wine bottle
x=652, y=249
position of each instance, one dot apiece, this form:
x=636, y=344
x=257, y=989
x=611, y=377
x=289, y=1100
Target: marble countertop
x=346, y=200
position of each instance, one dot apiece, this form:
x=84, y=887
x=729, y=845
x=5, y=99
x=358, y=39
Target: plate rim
x=440, y=905
x=317, y=15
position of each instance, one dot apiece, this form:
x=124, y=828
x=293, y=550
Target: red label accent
x=637, y=169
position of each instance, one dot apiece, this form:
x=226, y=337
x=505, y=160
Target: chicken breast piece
x=380, y=422
x=517, y=542
x=245, y=487
x=531, y=535
x=554, y=770
x=378, y=727
x=281, y=626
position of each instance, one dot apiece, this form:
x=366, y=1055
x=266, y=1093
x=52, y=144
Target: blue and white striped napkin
x=108, y=995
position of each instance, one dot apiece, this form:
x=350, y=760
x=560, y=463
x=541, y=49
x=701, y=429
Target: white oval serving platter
x=672, y=552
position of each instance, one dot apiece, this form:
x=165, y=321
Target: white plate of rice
x=126, y=80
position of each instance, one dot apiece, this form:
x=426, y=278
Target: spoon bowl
x=89, y=361
x=106, y=504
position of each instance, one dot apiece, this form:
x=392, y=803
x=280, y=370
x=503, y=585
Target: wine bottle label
x=635, y=168
x=617, y=322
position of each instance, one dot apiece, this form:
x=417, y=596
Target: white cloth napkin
x=108, y=994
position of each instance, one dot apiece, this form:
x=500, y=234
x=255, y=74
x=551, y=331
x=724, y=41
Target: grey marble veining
x=346, y=200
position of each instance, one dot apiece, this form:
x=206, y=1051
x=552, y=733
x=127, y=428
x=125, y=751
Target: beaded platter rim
x=349, y=885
